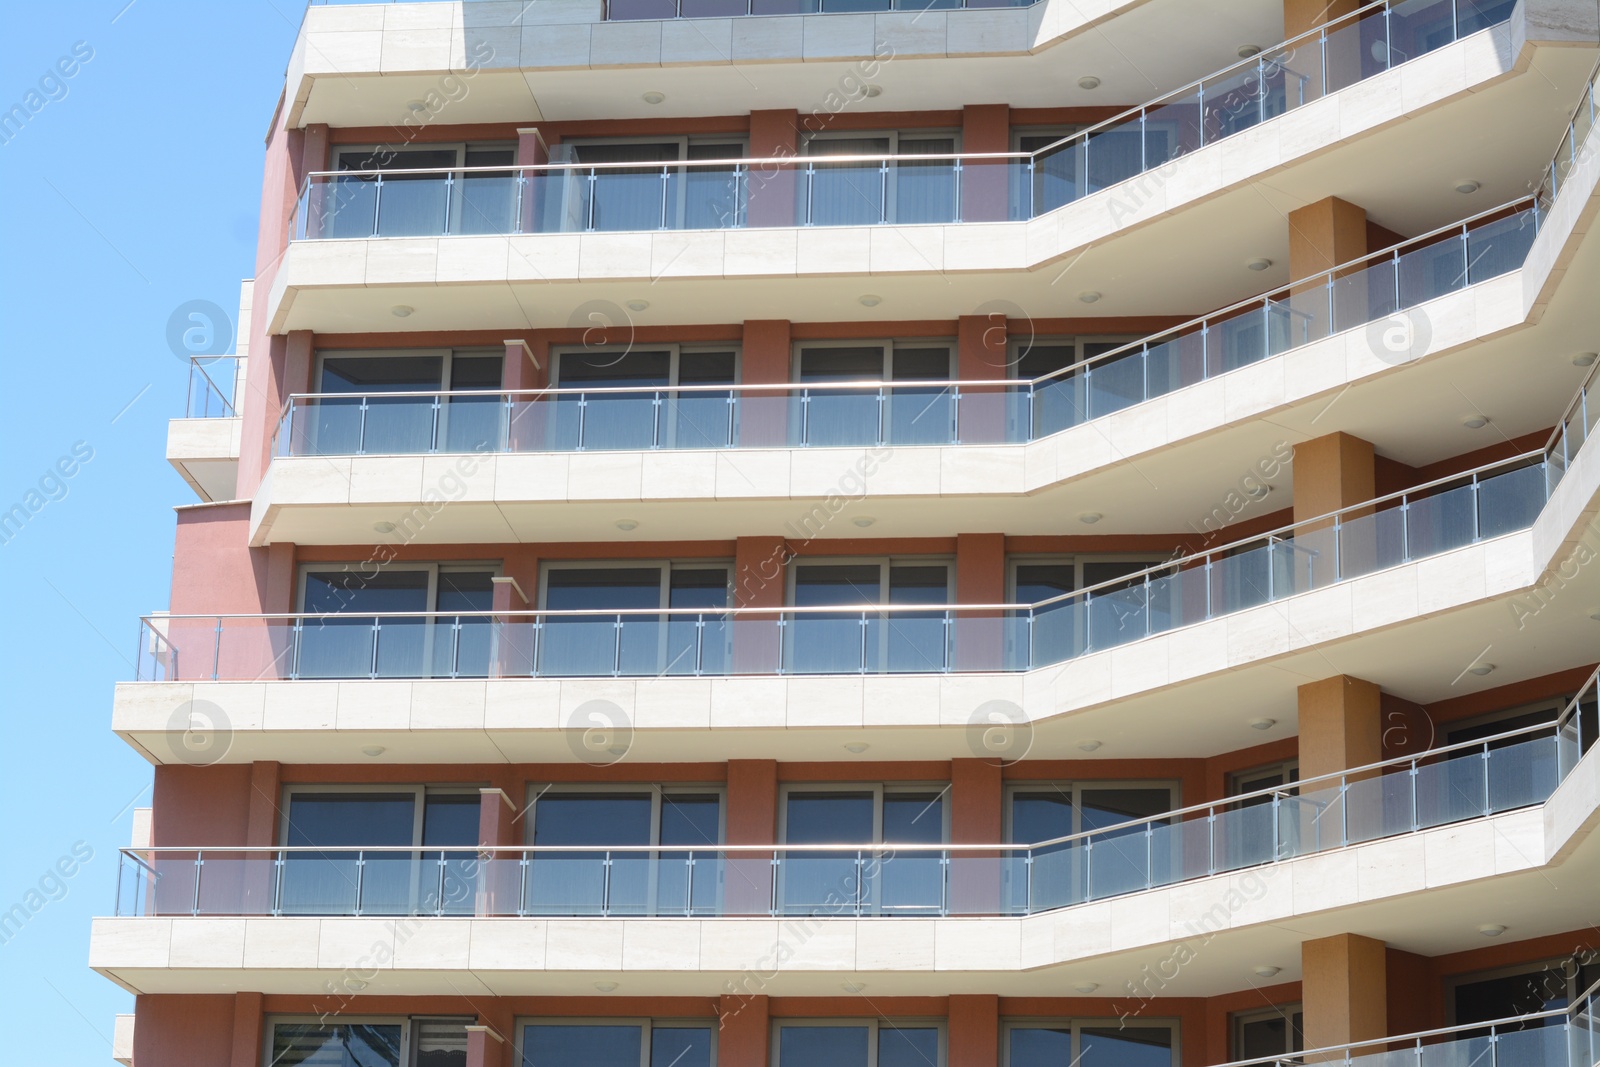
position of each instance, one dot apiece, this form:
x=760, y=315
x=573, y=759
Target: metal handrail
x=211, y=388
x=1315, y=1055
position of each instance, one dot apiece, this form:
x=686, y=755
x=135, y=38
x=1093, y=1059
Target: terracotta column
x=976, y=818
x=974, y=1029
x=1332, y=472
x=980, y=579
x=537, y=185
x=742, y=1039
x=765, y=359
x=247, y=1023
x=982, y=353
x=985, y=185
x=1344, y=987
x=760, y=568
x=752, y=820
x=261, y=831
x=498, y=873
x=1341, y=726
x=774, y=134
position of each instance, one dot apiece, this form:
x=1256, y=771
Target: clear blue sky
x=133, y=189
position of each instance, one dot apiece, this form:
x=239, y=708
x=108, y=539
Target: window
x=1069, y=627
x=646, y=197
x=1078, y=393
x=872, y=191
x=850, y=642
x=1520, y=991
x=1089, y=1043
x=905, y=415
x=368, y=404
x=683, y=879
x=619, y=1043
x=858, y=1043
x=419, y=870
x=424, y=204
x=1052, y=180
x=628, y=636
x=1250, y=832
x=657, y=415
x=380, y=637
x=376, y=1042
x=1268, y=1032
x=853, y=881
x=1122, y=860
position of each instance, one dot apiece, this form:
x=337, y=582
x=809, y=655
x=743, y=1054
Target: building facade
x=775, y=533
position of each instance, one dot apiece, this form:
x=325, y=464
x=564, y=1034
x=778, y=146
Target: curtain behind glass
x=825, y=882
x=844, y=194
x=338, y=1045
x=626, y=420
x=392, y=425
x=576, y=883
x=835, y=417
x=371, y=642
x=330, y=882
x=832, y=642
x=627, y=198
x=925, y=191
x=596, y=644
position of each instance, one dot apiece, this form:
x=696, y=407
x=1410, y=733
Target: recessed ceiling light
x=400, y=311
x=1088, y=81
x=873, y=90
x=863, y=521
x=383, y=527
x=1089, y=518
x=1263, y=724
x=852, y=987
x=1258, y=264
x=1595, y=614
x=1585, y=359
x=1481, y=669
x=1089, y=746
x=1087, y=987
x=373, y=750
x=1467, y=185
x=1474, y=422
x=638, y=305
x=627, y=525
x=869, y=300
x=355, y=984
x=1258, y=491
x=1491, y=929
x=1267, y=970
x=1245, y=51
x=857, y=747
x=605, y=987
x=417, y=107
x=653, y=97
x=1089, y=296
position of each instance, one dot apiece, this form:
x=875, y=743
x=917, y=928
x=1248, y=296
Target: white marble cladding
x=426, y=38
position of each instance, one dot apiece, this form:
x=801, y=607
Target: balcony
x=1386, y=532
x=849, y=190
x=203, y=446
x=1446, y=786
x=912, y=413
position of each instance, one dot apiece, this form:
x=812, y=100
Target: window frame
x=1076, y=560
x=1076, y=1024
x=337, y=153
x=1556, y=964
x=1554, y=705
x=447, y=356
x=566, y=151
x=878, y=790
x=667, y=429
x=889, y=209
x=657, y=790
x=305, y=570
x=1238, y=1020
x=645, y=1023
x=884, y=564
x=420, y=791
x=1174, y=787
x=664, y=588
x=1287, y=769
x=407, y=1024
x=874, y=1026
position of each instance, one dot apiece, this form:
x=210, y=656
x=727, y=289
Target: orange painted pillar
x=763, y=417
x=1322, y=236
x=499, y=873
x=760, y=577
x=771, y=187
x=752, y=820
x=976, y=818
x=742, y=1039
x=974, y=1029
x=1332, y=472
x=982, y=354
x=248, y=1020
x=1341, y=726
x=980, y=579
x=1344, y=988
x=538, y=186
x=985, y=185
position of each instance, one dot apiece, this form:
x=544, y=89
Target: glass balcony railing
x=211, y=382
x=1448, y=785
x=907, y=189
x=908, y=413
x=634, y=10
x=1450, y=513
x=1558, y=1037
